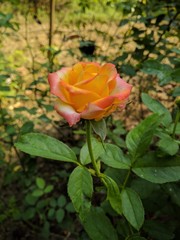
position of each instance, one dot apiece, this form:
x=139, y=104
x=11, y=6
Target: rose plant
x=92, y=92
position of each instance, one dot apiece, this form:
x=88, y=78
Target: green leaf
x=97, y=151
x=2, y=155
x=27, y=127
x=61, y=201
x=29, y=213
x=139, y=138
x=37, y=193
x=40, y=183
x=4, y=88
x=114, y=157
x=60, y=215
x=53, y=203
x=117, y=140
x=176, y=92
x=3, y=77
x=51, y=213
x=48, y=189
x=123, y=228
x=162, y=71
x=42, y=204
x=171, y=128
x=175, y=75
x=41, y=145
x=174, y=192
x=128, y=69
x=135, y=237
x=80, y=189
x=44, y=118
x=45, y=232
x=123, y=22
x=98, y=225
x=176, y=50
x=11, y=130
x=158, y=230
x=118, y=175
x=157, y=107
x=143, y=187
x=165, y=74
x=113, y=194
x=132, y=208
x=158, y=170
x=168, y=145
x=99, y=128
x=31, y=200
x=70, y=207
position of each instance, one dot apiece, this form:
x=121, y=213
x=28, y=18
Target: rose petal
x=122, y=89
x=63, y=72
x=95, y=112
x=54, y=80
x=67, y=112
x=79, y=98
x=108, y=70
x=92, y=67
x=83, y=71
x=97, y=84
x=92, y=112
x=112, y=84
x=74, y=73
x=90, y=71
x=104, y=102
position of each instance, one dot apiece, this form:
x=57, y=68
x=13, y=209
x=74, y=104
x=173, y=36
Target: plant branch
x=175, y=123
x=126, y=179
x=89, y=143
x=161, y=36
x=51, y=29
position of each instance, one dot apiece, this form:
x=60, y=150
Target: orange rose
x=88, y=91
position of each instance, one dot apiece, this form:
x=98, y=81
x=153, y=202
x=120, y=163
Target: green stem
x=51, y=28
x=176, y=122
x=89, y=143
x=126, y=179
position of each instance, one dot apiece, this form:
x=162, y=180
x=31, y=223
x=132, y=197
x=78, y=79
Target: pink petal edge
x=67, y=112
x=92, y=112
x=104, y=102
x=122, y=89
x=54, y=80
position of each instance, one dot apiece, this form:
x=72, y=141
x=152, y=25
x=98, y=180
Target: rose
x=88, y=91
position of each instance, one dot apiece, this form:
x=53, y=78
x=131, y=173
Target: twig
x=51, y=28
x=161, y=36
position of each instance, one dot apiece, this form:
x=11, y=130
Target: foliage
x=149, y=167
